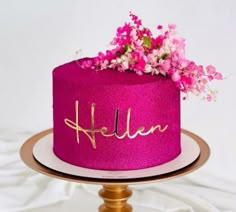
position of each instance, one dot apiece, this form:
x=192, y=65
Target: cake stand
x=115, y=191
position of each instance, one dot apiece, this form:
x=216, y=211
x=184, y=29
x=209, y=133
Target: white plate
x=43, y=153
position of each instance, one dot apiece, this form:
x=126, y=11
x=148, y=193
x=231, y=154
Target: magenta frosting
x=153, y=100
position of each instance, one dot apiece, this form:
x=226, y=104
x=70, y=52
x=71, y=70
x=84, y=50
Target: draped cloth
x=23, y=189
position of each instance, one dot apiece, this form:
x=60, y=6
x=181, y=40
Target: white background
x=36, y=36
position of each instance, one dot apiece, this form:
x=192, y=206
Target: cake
x=114, y=120
x=120, y=110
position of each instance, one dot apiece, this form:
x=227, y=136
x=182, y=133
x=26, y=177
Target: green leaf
x=126, y=47
x=147, y=41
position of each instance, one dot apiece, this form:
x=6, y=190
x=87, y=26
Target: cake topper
x=104, y=131
x=136, y=49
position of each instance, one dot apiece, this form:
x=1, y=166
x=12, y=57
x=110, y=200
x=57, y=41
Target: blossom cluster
x=135, y=48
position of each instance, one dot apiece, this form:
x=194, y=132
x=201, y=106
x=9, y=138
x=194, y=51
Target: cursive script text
x=91, y=132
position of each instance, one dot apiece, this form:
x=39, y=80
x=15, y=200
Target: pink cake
x=114, y=120
x=121, y=109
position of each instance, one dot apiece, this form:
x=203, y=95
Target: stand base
x=115, y=198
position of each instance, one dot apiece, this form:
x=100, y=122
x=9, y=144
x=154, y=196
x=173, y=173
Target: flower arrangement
x=136, y=49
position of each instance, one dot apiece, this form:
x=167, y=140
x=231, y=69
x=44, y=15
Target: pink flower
x=109, y=55
x=140, y=65
x=200, y=71
x=86, y=63
x=101, y=55
x=186, y=80
x=210, y=77
x=172, y=26
x=136, y=49
x=218, y=76
x=159, y=41
x=211, y=96
x=136, y=20
x=176, y=77
x=165, y=65
x=183, y=63
x=211, y=69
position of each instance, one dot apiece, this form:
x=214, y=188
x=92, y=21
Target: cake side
x=103, y=120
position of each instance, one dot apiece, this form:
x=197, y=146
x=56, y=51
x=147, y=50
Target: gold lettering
x=92, y=125
x=90, y=133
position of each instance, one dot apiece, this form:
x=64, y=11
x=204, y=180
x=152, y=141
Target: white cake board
x=43, y=153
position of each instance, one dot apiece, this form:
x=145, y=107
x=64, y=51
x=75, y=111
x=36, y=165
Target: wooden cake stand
x=115, y=192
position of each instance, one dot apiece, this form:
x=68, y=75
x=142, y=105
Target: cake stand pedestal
x=114, y=192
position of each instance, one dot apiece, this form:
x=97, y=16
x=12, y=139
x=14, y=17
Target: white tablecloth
x=22, y=189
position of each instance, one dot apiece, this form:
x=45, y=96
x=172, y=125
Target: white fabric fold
x=20, y=187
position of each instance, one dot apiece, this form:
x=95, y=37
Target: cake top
x=136, y=49
x=72, y=72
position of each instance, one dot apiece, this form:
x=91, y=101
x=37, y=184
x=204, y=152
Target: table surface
x=29, y=160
